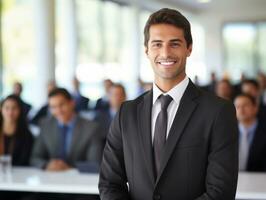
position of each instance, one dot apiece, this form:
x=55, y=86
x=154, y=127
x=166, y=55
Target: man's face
x=17, y=89
x=224, y=90
x=117, y=97
x=245, y=109
x=250, y=89
x=167, y=51
x=61, y=108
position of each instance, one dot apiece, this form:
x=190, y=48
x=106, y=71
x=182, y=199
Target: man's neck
x=68, y=120
x=248, y=123
x=166, y=85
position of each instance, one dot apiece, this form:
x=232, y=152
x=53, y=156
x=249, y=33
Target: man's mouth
x=166, y=63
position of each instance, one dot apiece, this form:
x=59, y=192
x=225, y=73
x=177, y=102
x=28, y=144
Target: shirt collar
x=70, y=124
x=176, y=92
x=250, y=129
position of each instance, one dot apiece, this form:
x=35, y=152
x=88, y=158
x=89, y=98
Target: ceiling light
x=204, y=1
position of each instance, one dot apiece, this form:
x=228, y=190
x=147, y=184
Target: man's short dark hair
x=252, y=82
x=60, y=91
x=248, y=96
x=171, y=17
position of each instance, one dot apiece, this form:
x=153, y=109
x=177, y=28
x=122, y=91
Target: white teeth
x=167, y=63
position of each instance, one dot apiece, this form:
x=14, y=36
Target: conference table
x=251, y=186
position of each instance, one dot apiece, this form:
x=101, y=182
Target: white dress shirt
x=176, y=93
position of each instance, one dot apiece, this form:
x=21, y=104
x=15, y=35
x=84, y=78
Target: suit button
x=157, y=197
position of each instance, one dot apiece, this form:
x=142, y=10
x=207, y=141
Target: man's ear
x=189, y=50
x=146, y=50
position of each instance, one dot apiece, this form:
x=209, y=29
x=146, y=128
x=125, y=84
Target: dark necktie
x=160, y=130
x=63, y=142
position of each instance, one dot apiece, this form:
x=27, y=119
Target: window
x=104, y=46
x=18, y=45
x=240, y=48
x=245, y=51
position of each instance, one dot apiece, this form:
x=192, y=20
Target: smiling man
x=175, y=141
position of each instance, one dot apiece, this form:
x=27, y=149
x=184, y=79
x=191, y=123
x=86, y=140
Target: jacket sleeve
x=222, y=170
x=113, y=180
x=39, y=156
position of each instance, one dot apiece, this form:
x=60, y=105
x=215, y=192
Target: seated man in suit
x=66, y=140
x=252, y=138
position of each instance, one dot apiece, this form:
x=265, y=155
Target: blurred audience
x=103, y=102
x=44, y=110
x=15, y=137
x=262, y=83
x=251, y=87
x=66, y=140
x=81, y=102
x=252, y=138
x=117, y=95
x=211, y=87
x=143, y=86
x=17, y=90
x=224, y=89
x=238, y=85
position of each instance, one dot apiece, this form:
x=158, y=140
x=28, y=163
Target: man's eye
x=175, y=44
x=157, y=45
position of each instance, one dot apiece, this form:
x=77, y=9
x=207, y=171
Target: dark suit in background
x=42, y=113
x=104, y=119
x=200, y=159
x=102, y=104
x=82, y=103
x=257, y=152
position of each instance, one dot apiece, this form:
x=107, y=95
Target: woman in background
x=15, y=138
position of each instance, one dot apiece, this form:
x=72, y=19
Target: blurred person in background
x=252, y=87
x=44, y=110
x=212, y=85
x=117, y=95
x=252, y=135
x=81, y=102
x=224, y=89
x=238, y=85
x=143, y=86
x=262, y=83
x=66, y=140
x=103, y=102
x=15, y=138
x=17, y=90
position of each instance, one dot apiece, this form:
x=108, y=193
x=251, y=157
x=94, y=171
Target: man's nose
x=165, y=51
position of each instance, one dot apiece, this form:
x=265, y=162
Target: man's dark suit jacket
x=200, y=159
x=84, y=144
x=257, y=151
x=82, y=103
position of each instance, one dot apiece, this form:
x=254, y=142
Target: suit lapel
x=144, y=125
x=53, y=137
x=256, y=143
x=76, y=137
x=185, y=110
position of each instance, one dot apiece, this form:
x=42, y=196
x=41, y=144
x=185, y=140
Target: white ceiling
x=218, y=5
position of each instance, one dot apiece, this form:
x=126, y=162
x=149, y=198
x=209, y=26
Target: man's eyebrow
x=172, y=40
x=176, y=40
x=155, y=41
